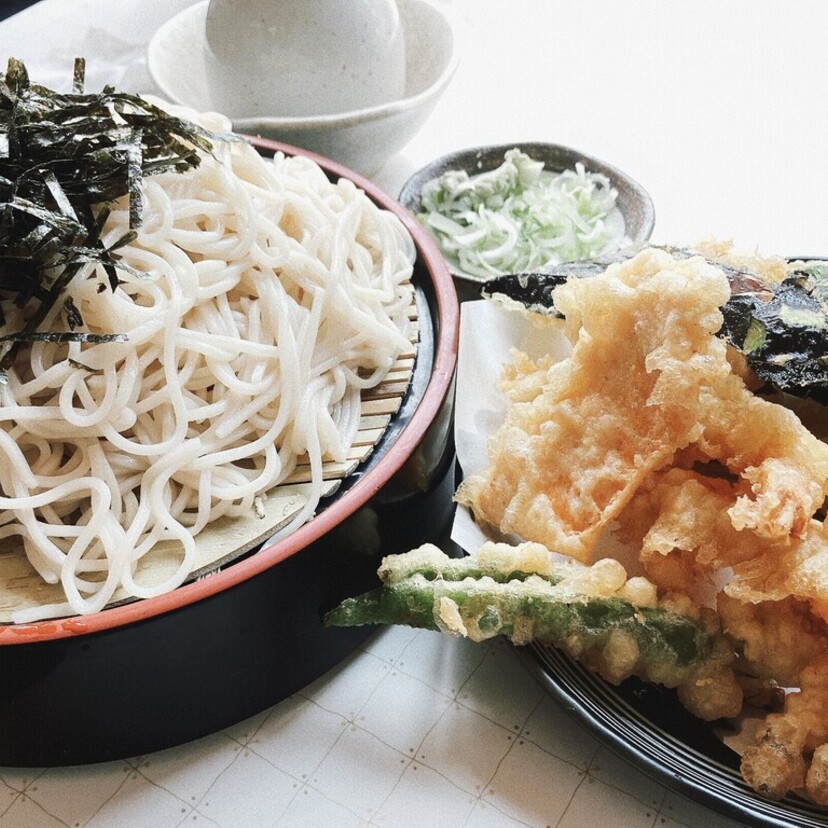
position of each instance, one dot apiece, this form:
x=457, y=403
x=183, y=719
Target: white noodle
x=267, y=298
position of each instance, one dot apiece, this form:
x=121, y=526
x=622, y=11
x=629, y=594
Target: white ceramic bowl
x=314, y=57
x=361, y=139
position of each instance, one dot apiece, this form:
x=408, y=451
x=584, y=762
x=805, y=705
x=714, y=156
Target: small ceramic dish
x=361, y=139
x=633, y=201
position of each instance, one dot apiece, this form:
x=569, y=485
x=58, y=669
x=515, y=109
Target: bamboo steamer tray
x=246, y=631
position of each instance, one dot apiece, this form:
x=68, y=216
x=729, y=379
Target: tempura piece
x=647, y=382
x=777, y=639
x=678, y=520
x=797, y=570
x=681, y=522
x=790, y=751
x=612, y=624
x=573, y=450
x=785, y=466
x=649, y=431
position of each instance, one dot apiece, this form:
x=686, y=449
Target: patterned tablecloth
x=413, y=730
x=718, y=109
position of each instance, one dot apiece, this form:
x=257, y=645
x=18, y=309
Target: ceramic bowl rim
x=312, y=122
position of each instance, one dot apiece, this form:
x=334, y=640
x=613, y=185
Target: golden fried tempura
x=790, y=751
x=785, y=466
x=797, y=570
x=777, y=639
x=773, y=607
x=651, y=427
x=580, y=438
x=678, y=520
x=647, y=378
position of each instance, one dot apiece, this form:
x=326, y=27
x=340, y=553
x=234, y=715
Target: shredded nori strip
x=63, y=157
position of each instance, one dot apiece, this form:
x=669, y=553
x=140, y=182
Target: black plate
x=648, y=727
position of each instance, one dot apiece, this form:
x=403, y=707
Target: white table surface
x=719, y=110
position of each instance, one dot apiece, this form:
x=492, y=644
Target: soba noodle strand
x=263, y=299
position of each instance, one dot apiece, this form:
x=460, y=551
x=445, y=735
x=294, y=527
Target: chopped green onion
x=520, y=217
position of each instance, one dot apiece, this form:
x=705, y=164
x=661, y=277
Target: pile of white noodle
x=268, y=297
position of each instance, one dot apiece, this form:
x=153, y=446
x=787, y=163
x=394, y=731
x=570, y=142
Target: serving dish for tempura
x=154, y=673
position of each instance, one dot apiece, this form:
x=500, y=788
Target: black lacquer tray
x=163, y=671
